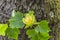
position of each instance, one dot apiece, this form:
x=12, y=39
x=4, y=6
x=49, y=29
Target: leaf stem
x=37, y=23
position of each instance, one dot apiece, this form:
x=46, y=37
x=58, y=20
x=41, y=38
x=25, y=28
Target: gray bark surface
x=43, y=10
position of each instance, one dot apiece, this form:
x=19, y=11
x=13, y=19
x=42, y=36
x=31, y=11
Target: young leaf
x=45, y=35
x=29, y=19
x=31, y=33
x=42, y=27
x=12, y=33
x=16, y=21
x=3, y=28
x=40, y=32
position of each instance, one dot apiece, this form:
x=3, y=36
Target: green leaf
x=40, y=32
x=42, y=27
x=16, y=21
x=12, y=33
x=31, y=33
x=3, y=28
x=45, y=35
x=34, y=38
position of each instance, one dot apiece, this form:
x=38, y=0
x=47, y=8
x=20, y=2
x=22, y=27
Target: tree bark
x=44, y=10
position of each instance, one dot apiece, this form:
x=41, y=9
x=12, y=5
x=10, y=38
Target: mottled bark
x=44, y=9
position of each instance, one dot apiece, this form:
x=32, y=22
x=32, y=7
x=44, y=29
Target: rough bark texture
x=44, y=9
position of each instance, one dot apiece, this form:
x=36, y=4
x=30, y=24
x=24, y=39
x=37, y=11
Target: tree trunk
x=44, y=10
